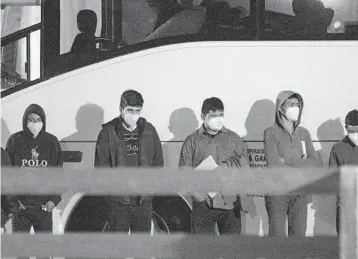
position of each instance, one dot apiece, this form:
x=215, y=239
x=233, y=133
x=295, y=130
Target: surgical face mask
x=292, y=113
x=354, y=137
x=216, y=123
x=131, y=119
x=35, y=128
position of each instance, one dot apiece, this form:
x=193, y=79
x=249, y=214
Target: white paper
x=304, y=147
x=212, y=194
x=208, y=164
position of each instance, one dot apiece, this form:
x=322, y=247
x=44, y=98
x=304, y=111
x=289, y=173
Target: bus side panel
x=174, y=81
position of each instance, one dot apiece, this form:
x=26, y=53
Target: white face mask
x=354, y=137
x=131, y=120
x=35, y=128
x=216, y=124
x=292, y=113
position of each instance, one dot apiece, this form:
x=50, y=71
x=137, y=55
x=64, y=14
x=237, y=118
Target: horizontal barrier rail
x=110, y=181
x=181, y=141
x=166, y=181
x=93, y=245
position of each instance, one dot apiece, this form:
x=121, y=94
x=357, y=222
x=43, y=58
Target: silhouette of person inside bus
x=87, y=25
x=311, y=18
x=222, y=21
x=330, y=130
x=34, y=147
x=261, y=116
x=215, y=13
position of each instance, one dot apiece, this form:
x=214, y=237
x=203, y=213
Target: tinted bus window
x=312, y=19
x=77, y=33
x=15, y=18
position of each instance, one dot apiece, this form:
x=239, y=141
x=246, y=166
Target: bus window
x=75, y=33
x=122, y=25
x=21, y=43
x=69, y=25
x=311, y=19
x=15, y=18
x=12, y=66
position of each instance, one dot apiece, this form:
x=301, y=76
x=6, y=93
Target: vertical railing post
x=348, y=214
x=28, y=57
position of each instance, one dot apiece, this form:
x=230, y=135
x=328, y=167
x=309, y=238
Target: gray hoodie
x=283, y=149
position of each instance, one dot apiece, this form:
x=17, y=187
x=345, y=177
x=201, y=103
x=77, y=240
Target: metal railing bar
x=103, y=245
x=168, y=181
x=28, y=58
x=181, y=141
x=8, y=39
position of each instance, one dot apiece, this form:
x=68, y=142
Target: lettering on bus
x=257, y=159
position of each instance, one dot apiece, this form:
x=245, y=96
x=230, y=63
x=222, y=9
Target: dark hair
x=352, y=118
x=212, y=104
x=131, y=98
x=294, y=96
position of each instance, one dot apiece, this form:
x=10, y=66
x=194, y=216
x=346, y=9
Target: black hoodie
x=26, y=151
x=111, y=148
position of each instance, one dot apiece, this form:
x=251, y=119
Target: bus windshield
x=42, y=39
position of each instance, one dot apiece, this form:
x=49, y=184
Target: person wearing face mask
x=34, y=148
x=345, y=152
x=288, y=145
x=227, y=149
x=129, y=141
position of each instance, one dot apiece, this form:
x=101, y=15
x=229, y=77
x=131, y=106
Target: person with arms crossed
x=288, y=145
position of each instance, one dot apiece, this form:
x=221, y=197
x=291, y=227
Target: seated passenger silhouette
x=215, y=14
x=165, y=10
x=87, y=24
x=312, y=18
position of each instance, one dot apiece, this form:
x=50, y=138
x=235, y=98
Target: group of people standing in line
x=131, y=141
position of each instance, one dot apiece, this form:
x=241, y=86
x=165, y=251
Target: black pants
x=32, y=216
x=292, y=206
x=203, y=219
x=137, y=218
